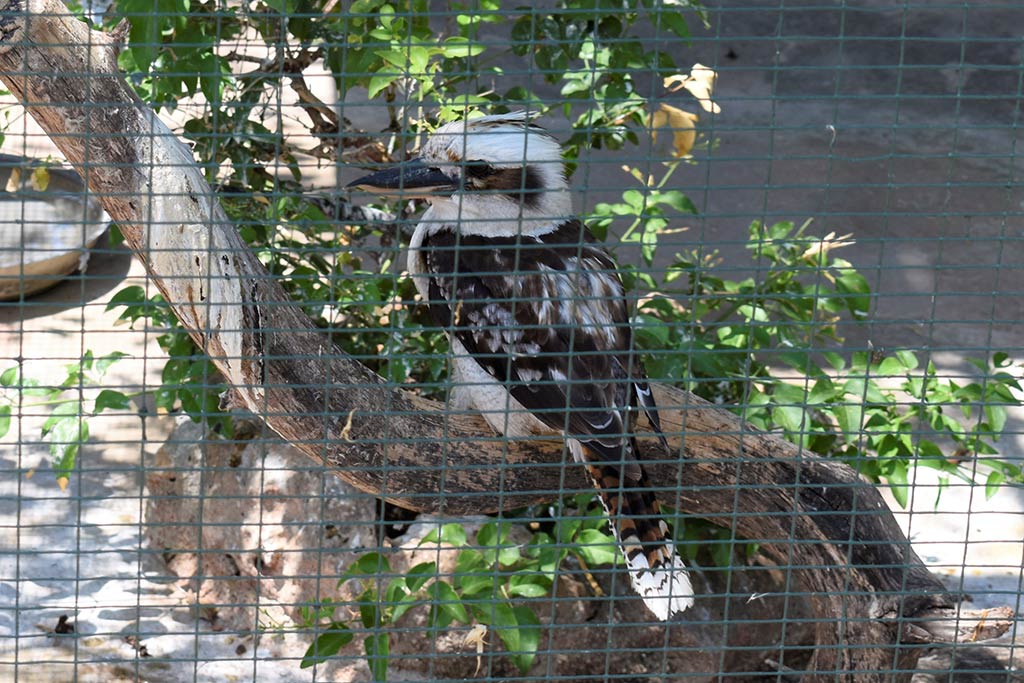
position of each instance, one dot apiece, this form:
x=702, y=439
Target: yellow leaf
x=62, y=482
x=682, y=123
x=40, y=178
x=14, y=180
x=700, y=83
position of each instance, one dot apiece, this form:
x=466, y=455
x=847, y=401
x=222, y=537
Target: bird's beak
x=412, y=178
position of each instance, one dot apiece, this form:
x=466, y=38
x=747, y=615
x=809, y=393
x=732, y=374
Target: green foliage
x=189, y=382
x=493, y=583
x=67, y=426
x=170, y=52
x=765, y=345
x=590, y=49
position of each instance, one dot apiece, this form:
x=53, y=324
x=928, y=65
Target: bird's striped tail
x=657, y=573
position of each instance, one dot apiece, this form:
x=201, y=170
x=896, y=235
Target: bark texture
x=831, y=535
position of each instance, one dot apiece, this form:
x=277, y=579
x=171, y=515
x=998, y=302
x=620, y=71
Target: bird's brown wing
x=547, y=318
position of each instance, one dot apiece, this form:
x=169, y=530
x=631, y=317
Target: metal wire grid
x=895, y=123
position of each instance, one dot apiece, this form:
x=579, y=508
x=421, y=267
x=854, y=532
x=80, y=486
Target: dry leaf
x=14, y=180
x=476, y=637
x=682, y=123
x=346, y=431
x=700, y=83
x=820, y=249
x=978, y=627
x=635, y=172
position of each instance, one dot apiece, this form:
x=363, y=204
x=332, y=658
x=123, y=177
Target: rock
x=253, y=530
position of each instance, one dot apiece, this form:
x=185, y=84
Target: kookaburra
x=537, y=319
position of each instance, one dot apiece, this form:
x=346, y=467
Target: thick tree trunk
x=872, y=600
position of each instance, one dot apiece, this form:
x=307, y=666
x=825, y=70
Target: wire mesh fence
x=247, y=437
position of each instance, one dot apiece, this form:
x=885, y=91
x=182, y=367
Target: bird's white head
x=493, y=176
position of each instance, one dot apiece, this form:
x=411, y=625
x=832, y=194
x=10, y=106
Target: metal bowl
x=45, y=232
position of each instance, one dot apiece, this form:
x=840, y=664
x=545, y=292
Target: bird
x=537, y=318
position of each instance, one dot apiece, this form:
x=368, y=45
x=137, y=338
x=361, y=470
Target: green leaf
x=677, y=200
x=519, y=630
x=60, y=412
x=477, y=586
x=860, y=389
x=491, y=535
x=448, y=601
x=822, y=391
x=635, y=200
x=66, y=437
x=103, y=363
x=5, y=420
x=379, y=82
x=897, y=479
x=492, y=540
x=908, y=359
x=675, y=22
x=857, y=291
x=596, y=547
x=790, y=418
x=834, y=359
x=403, y=606
x=419, y=58
x=386, y=16
x=416, y=577
x=527, y=586
x=327, y=645
x=980, y=363
x=993, y=483
x=127, y=296
x=452, y=534
x=395, y=591
x=995, y=415
x=211, y=78
x=550, y=557
x=468, y=561
x=529, y=637
x=9, y=376
x=394, y=57
x=890, y=367
x=378, y=646
x=370, y=564
x=108, y=399
x=460, y=47
x=369, y=613
x=929, y=449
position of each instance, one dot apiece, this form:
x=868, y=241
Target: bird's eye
x=478, y=169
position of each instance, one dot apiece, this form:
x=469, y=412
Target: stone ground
x=910, y=145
